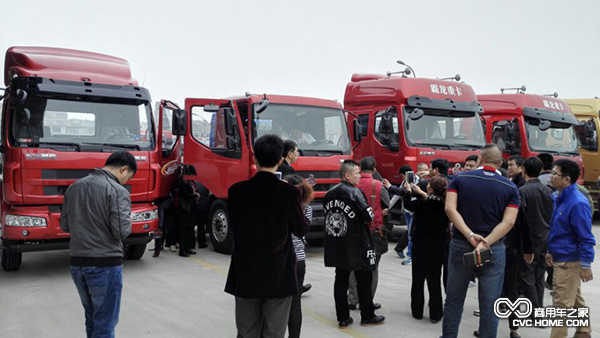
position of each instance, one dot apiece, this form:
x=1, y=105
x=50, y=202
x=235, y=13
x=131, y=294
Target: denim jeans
x=409, y=219
x=491, y=278
x=100, y=293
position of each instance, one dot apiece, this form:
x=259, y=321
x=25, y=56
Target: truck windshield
x=553, y=140
x=56, y=124
x=317, y=130
x=444, y=128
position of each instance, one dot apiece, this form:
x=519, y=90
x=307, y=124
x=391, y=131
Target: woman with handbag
x=429, y=233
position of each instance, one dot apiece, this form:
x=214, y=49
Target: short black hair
x=403, y=169
x=289, y=145
x=268, y=150
x=368, y=163
x=568, y=168
x=519, y=160
x=533, y=166
x=547, y=160
x=120, y=159
x=346, y=166
x=441, y=164
x=472, y=158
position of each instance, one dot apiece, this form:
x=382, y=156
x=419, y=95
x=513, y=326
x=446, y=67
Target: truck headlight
x=24, y=221
x=144, y=216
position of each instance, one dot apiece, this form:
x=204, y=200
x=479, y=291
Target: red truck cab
x=219, y=137
x=413, y=120
x=64, y=112
x=528, y=124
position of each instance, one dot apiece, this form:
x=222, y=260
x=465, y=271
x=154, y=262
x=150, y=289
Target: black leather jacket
x=348, y=243
x=537, y=205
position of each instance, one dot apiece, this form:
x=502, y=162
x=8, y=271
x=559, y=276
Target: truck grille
x=65, y=174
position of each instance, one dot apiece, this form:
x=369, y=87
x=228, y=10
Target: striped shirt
x=299, y=242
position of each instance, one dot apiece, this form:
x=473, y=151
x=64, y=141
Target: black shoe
x=549, y=286
x=344, y=323
x=202, y=246
x=353, y=306
x=305, y=288
x=376, y=306
x=514, y=335
x=191, y=252
x=476, y=333
x=156, y=252
x=433, y=321
x=377, y=320
x=184, y=254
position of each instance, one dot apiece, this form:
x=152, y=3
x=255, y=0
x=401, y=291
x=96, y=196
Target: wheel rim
x=219, y=226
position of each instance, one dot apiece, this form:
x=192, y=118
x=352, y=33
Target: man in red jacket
x=378, y=198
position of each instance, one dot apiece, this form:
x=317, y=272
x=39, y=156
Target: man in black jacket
x=290, y=155
x=348, y=245
x=263, y=211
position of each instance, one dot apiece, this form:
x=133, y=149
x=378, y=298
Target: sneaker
x=401, y=254
x=377, y=320
x=472, y=284
x=344, y=323
x=407, y=261
x=172, y=248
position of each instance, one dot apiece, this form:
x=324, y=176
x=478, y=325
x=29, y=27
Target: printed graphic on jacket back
x=336, y=218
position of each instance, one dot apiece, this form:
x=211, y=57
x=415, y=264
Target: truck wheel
x=134, y=252
x=10, y=260
x=221, y=235
x=316, y=241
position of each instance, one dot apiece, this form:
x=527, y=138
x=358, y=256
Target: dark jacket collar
x=102, y=171
x=533, y=181
x=264, y=175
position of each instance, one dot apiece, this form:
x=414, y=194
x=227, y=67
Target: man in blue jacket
x=570, y=243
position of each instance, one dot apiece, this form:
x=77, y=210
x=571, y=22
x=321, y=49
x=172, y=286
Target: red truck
x=219, y=135
x=64, y=111
x=527, y=125
x=409, y=121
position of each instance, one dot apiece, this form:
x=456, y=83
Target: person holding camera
x=430, y=231
x=378, y=199
x=483, y=207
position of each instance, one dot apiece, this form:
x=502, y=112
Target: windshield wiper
x=470, y=146
x=125, y=146
x=68, y=144
x=332, y=151
x=434, y=145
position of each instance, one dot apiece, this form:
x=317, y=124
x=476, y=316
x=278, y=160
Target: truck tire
x=134, y=252
x=221, y=235
x=11, y=260
x=316, y=241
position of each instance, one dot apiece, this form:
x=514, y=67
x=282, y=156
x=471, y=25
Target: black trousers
x=201, y=231
x=186, y=235
x=531, y=279
x=295, y=321
x=363, y=288
x=510, y=289
x=428, y=258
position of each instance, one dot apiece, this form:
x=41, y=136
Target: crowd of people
x=504, y=224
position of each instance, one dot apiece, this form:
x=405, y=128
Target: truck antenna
x=555, y=95
x=455, y=78
x=520, y=90
x=144, y=80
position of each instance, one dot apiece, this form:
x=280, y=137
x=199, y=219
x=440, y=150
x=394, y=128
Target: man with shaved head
x=483, y=207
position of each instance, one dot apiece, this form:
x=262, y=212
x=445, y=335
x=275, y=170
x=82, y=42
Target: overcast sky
x=221, y=48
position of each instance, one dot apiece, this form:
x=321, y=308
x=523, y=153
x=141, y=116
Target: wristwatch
x=471, y=235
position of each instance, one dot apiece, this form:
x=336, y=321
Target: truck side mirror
x=357, y=130
x=510, y=136
x=544, y=125
x=230, y=121
x=19, y=98
x=262, y=105
x=179, y=126
x=386, y=127
x=416, y=114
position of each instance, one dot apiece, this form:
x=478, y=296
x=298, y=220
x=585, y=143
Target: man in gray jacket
x=97, y=213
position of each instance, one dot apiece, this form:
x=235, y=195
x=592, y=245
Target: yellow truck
x=586, y=111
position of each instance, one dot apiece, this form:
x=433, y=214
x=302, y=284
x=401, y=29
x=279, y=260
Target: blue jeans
x=409, y=219
x=491, y=278
x=100, y=292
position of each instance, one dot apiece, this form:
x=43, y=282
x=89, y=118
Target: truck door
x=215, y=145
x=170, y=148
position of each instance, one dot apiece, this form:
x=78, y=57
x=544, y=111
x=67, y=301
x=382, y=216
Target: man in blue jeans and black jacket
x=97, y=213
x=483, y=207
